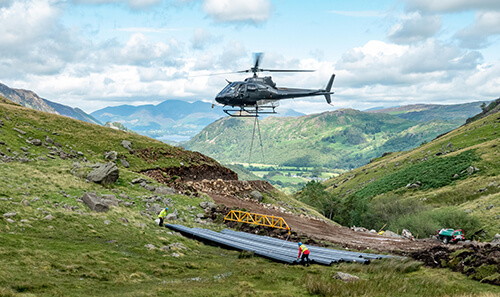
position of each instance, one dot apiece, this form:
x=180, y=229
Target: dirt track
x=322, y=231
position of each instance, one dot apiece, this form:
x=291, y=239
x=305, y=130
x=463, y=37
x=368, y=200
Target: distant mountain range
x=32, y=100
x=170, y=121
x=343, y=139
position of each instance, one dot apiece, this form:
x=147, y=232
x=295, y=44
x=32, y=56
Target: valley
x=122, y=251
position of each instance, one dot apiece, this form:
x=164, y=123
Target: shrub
x=433, y=173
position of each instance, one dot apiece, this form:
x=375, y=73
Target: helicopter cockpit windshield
x=230, y=89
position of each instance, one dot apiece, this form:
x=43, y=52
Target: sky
x=97, y=53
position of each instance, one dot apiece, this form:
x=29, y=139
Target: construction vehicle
x=449, y=235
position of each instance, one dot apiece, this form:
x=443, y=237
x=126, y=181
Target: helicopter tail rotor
x=328, y=89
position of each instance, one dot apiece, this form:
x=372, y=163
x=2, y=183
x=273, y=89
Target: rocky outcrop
x=104, y=174
x=94, y=202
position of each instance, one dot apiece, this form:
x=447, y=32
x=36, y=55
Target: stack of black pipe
x=273, y=248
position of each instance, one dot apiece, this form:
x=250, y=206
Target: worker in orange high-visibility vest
x=305, y=254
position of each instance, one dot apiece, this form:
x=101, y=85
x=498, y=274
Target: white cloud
x=415, y=27
x=233, y=51
x=134, y=4
x=486, y=24
x=238, y=11
x=441, y=6
x=201, y=38
x=26, y=22
x=140, y=51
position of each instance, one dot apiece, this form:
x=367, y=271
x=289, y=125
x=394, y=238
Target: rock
x=104, y=174
x=177, y=246
x=49, y=218
x=109, y=200
x=94, y=202
x=125, y=163
x=150, y=246
x=10, y=221
x=36, y=142
x=139, y=180
x=172, y=217
x=346, y=277
x=111, y=155
x=175, y=255
x=200, y=215
x=9, y=214
x=391, y=234
x=472, y=169
x=19, y=131
x=164, y=190
x=149, y=187
x=256, y=195
x=128, y=145
x=49, y=140
x=491, y=206
x=106, y=222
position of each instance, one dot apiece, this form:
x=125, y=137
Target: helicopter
x=260, y=95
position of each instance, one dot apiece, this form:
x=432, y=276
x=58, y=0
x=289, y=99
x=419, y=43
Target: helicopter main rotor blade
x=258, y=56
x=286, y=70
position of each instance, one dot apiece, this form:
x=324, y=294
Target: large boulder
x=94, y=202
x=111, y=155
x=109, y=199
x=128, y=145
x=104, y=174
x=256, y=195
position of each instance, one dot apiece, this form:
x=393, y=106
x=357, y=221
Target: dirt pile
x=478, y=261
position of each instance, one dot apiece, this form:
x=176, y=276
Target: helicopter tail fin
x=328, y=88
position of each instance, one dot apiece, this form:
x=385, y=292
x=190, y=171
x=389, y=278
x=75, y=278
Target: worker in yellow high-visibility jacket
x=305, y=253
x=162, y=216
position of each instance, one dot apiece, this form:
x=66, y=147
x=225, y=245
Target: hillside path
x=343, y=236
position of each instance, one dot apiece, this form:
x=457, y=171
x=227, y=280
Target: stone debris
x=346, y=277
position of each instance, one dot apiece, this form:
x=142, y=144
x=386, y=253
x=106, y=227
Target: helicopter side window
x=251, y=88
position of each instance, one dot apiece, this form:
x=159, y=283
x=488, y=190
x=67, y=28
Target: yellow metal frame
x=257, y=219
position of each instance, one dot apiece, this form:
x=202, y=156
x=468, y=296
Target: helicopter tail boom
x=328, y=89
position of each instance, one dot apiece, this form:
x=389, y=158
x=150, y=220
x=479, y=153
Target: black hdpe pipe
x=324, y=252
x=268, y=247
x=201, y=234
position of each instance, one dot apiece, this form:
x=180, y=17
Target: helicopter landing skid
x=253, y=112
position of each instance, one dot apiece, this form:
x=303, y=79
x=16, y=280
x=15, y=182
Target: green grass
x=82, y=253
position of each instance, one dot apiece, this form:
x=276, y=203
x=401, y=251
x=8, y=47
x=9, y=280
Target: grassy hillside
x=453, y=181
x=342, y=139
x=430, y=112
x=53, y=245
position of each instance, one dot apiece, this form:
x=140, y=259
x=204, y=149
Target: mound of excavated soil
x=479, y=261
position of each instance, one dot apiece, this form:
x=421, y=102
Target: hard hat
x=300, y=243
x=166, y=208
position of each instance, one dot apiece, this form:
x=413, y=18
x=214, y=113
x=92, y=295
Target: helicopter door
x=251, y=90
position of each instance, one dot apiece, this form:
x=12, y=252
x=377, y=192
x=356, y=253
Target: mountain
x=452, y=181
x=342, y=139
x=431, y=112
x=32, y=100
x=171, y=121
x=65, y=248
